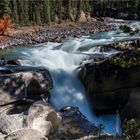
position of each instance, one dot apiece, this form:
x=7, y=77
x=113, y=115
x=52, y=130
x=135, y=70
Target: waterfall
x=118, y=123
x=62, y=60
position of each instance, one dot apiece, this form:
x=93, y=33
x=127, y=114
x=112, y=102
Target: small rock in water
x=2, y=62
x=13, y=62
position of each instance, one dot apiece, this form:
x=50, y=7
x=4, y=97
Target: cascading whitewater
x=62, y=60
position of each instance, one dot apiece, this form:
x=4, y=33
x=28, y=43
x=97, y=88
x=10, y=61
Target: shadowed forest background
x=45, y=11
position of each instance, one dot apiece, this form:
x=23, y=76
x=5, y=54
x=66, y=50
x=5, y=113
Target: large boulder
x=18, y=82
x=132, y=108
x=44, y=118
x=75, y=124
x=21, y=86
x=109, y=83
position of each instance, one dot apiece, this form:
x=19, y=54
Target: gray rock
x=13, y=62
x=74, y=124
x=109, y=85
x=10, y=123
x=81, y=120
x=26, y=134
x=132, y=108
x=19, y=82
x=44, y=118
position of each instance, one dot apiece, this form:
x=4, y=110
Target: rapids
x=63, y=60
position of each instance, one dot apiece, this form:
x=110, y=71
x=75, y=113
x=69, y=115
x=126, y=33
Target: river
x=62, y=60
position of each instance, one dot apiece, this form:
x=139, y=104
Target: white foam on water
x=62, y=61
x=67, y=90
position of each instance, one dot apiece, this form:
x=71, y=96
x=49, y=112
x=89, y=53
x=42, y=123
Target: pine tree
x=14, y=11
x=47, y=16
x=35, y=12
x=26, y=11
x=37, y=15
x=30, y=13
x=68, y=15
x=60, y=10
x=79, y=7
x=4, y=8
x=21, y=12
x=94, y=7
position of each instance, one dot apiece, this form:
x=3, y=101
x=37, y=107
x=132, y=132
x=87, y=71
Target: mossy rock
x=125, y=28
x=125, y=61
x=131, y=129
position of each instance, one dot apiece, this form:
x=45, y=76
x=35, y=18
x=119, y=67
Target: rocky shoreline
x=56, y=33
x=25, y=111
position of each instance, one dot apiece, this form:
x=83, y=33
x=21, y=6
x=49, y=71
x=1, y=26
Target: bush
x=131, y=129
x=5, y=26
x=125, y=28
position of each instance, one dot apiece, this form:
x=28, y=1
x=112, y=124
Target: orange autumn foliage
x=1, y=39
x=6, y=26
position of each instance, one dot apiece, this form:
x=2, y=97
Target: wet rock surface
x=42, y=121
x=13, y=62
x=18, y=82
x=44, y=118
x=55, y=33
x=75, y=124
x=25, y=112
x=110, y=84
x=128, y=45
x=79, y=118
x=132, y=108
x=25, y=134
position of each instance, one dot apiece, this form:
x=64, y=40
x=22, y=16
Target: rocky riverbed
x=25, y=111
x=54, y=33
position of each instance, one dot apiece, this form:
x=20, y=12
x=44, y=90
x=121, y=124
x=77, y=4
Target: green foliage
x=128, y=9
x=14, y=11
x=46, y=11
x=5, y=8
x=131, y=129
x=125, y=62
x=47, y=16
x=125, y=28
x=68, y=15
x=59, y=4
x=79, y=7
x=100, y=129
x=26, y=8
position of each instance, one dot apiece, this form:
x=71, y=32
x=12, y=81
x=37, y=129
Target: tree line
x=126, y=9
x=47, y=11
